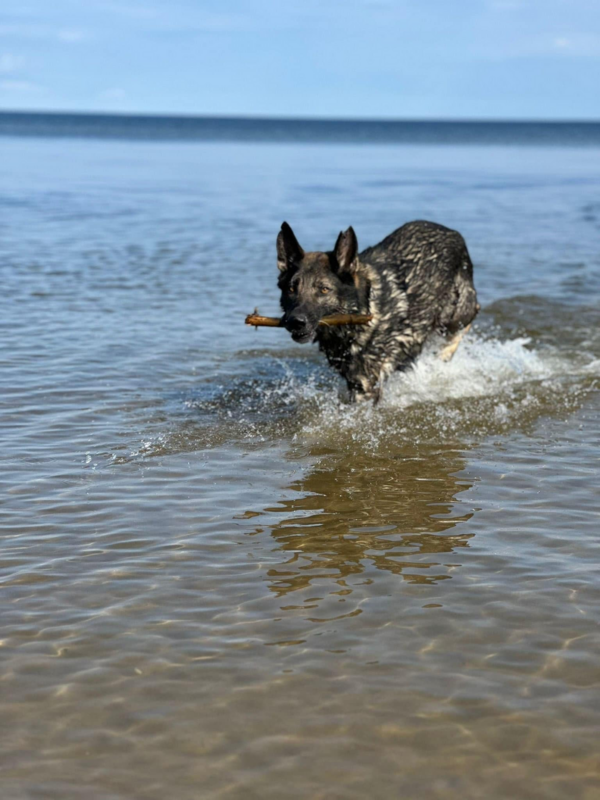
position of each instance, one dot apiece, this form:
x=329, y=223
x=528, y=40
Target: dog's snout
x=297, y=322
x=300, y=326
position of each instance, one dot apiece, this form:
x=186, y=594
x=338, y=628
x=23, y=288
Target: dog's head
x=314, y=285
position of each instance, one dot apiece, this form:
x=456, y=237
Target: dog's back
x=420, y=281
x=427, y=268
x=417, y=281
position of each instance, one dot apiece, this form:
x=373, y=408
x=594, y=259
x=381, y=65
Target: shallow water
x=218, y=579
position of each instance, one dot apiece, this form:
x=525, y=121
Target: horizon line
x=312, y=119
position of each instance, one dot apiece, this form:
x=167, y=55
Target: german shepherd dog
x=416, y=282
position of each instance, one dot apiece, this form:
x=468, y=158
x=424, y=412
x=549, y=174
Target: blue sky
x=531, y=59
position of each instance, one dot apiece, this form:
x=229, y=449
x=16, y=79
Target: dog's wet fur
x=416, y=282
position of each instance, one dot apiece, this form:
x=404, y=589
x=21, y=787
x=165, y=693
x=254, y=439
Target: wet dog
x=416, y=282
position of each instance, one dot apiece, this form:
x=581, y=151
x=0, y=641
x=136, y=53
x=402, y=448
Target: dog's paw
x=447, y=353
x=361, y=396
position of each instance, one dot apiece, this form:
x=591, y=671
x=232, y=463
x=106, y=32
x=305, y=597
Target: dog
x=417, y=282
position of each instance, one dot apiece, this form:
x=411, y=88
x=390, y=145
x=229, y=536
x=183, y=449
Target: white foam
x=479, y=368
x=489, y=386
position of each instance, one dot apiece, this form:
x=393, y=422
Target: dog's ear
x=346, y=249
x=289, y=251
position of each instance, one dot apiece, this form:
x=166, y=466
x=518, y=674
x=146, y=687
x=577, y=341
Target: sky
x=452, y=59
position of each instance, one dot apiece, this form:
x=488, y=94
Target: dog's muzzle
x=300, y=328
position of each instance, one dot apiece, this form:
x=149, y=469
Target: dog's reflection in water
x=353, y=513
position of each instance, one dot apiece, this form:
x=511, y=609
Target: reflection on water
x=352, y=510
x=161, y=640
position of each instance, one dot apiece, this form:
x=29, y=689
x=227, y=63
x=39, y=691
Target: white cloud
x=68, y=35
x=537, y=45
x=19, y=86
x=586, y=45
x=10, y=63
x=115, y=93
x=505, y=5
x=35, y=30
x=129, y=10
x=22, y=30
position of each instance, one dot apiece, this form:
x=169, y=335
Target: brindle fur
x=416, y=282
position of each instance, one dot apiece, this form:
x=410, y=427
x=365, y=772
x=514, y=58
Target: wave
x=491, y=387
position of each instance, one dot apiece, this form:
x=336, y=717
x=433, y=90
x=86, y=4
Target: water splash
x=492, y=386
x=489, y=387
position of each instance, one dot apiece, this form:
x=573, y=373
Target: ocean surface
x=220, y=581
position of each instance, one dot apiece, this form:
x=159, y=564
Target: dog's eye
x=291, y=289
x=324, y=289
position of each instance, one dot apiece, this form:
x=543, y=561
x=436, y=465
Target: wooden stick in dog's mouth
x=334, y=319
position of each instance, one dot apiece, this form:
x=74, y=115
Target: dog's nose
x=297, y=323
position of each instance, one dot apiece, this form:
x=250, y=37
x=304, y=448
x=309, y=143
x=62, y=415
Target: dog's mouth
x=301, y=329
x=303, y=337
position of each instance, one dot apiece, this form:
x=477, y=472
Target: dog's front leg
x=358, y=395
x=363, y=385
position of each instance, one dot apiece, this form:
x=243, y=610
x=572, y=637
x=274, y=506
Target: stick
x=263, y=322
x=346, y=319
x=334, y=319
